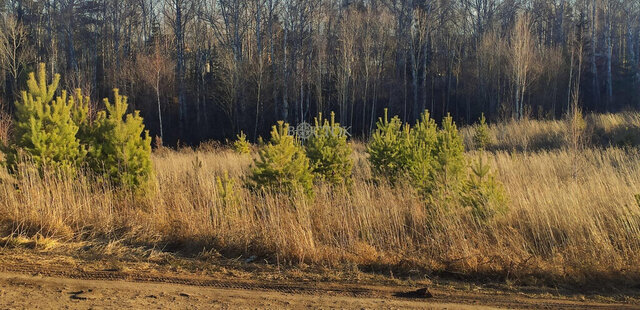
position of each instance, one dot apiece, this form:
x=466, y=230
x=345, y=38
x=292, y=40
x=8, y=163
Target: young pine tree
x=424, y=138
x=449, y=161
x=390, y=148
x=482, y=137
x=241, y=145
x=483, y=193
x=121, y=148
x=45, y=129
x=329, y=152
x=282, y=165
x=226, y=192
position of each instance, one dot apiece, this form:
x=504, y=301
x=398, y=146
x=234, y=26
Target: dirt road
x=41, y=280
x=24, y=291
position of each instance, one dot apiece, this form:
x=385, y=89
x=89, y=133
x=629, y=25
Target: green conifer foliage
x=121, y=148
x=226, y=191
x=80, y=116
x=424, y=138
x=482, y=137
x=390, y=148
x=241, y=145
x=449, y=161
x=483, y=193
x=45, y=130
x=283, y=165
x=329, y=152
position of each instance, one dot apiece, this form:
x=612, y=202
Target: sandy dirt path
x=25, y=291
x=41, y=280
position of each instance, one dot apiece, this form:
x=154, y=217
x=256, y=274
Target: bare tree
x=594, y=66
x=230, y=20
x=491, y=55
x=179, y=14
x=347, y=35
x=609, y=9
x=258, y=8
x=14, y=49
x=574, y=113
x=632, y=15
x=297, y=16
x=523, y=61
x=154, y=68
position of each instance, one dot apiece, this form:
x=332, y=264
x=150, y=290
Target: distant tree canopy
x=208, y=69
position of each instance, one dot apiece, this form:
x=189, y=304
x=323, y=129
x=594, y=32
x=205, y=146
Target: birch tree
x=522, y=61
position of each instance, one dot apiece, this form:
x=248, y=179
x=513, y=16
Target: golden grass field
x=573, y=217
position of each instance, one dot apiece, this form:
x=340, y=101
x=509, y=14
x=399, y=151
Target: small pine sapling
x=121, y=147
x=424, y=137
x=483, y=193
x=282, y=165
x=45, y=129
x=329, y=152
x=482, y=137
x=241, y=145
x=390, y=148
x=226, y=191
x=450, y=163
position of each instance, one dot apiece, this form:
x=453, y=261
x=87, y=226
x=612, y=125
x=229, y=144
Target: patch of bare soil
x=44, y=281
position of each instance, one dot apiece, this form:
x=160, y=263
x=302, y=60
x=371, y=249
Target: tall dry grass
x=562, y=226
x=602, y=130
x=5, y=126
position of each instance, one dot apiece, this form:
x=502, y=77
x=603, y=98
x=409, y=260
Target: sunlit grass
x=571, y=218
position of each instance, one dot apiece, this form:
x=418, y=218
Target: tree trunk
x=273, y=60
x=180, y=68
x=594, y=67
x=159, y=106
x=609, y=53
x=285, y=103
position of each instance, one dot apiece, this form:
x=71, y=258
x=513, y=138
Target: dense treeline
x=203, y=69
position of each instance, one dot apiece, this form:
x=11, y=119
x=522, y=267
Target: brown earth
x=34, y=280
x=20, y=291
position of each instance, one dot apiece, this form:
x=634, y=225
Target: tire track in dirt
x=503, y=300
x=289, y=288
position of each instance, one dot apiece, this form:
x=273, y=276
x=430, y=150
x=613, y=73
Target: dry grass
x=603, y=130
x=5, y=128
x=562, y=226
